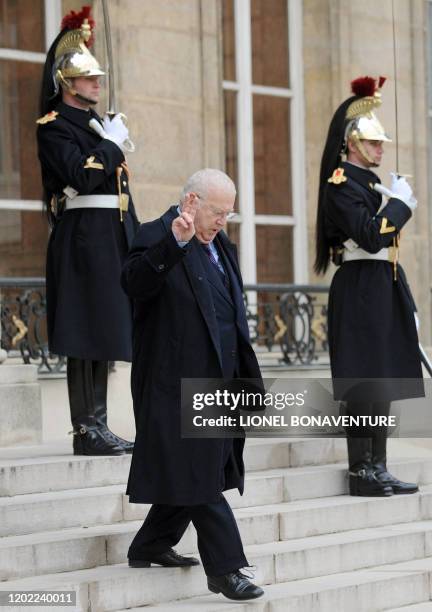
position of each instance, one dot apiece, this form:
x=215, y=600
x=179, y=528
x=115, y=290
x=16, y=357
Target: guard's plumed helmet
x=72, y=56
x=362, y=123
x=69, y=57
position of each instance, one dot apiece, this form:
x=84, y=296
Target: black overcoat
x=372, y=331
x=88, y=314
x=176, y=336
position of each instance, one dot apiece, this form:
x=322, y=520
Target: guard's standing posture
x=86, y=182
x=371, y=312
x=183, y=275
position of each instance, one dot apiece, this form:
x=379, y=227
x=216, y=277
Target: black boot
x=362, y=479
x=100, y=385
x=87, y=437
x=379, y=460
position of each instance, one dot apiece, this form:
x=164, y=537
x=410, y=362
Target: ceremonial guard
x=371, y=313
x=86, y=184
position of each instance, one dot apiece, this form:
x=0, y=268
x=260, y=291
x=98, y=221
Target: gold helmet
x=363, y=124
x=72, y=56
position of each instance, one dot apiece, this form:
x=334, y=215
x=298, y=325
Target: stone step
x=318, y=481
x=20, y=405
x=52, y=467
x=36, y=512
x=85, y=547
x=425, y=606
x=311, y=517
x=373, y=588
x=38, y=473
x=61, y=509
x=35, y=473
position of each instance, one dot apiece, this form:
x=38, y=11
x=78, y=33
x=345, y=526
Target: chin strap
x=360, y=148
x=65, y=83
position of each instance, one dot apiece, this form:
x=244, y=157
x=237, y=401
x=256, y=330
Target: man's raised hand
x=183, y=226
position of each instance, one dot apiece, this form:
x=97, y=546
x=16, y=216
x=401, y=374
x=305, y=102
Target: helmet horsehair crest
x=363, y=124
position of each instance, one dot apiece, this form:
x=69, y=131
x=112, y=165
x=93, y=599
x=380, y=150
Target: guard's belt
x=358, y=253
x=93, y=201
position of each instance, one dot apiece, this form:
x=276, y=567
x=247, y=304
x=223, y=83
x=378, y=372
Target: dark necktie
x=216, y=264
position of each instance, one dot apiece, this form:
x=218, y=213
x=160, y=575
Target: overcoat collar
x=196, y=274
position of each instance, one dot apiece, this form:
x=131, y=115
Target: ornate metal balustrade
x=23, y=323
x=287, y=320
x=291, y=319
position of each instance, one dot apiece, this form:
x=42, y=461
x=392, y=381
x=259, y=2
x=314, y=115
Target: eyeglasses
x=217, y=213
x=220, y=214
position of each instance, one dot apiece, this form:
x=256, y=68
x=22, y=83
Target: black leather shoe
x=399, y=487
x=88, y=440
x=364, y=483
x=170, y=558
x=234, y=585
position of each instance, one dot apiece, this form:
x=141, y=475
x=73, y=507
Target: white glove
x=401, y=190
x=115, y=130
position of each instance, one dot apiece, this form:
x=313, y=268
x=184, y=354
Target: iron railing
x=289, y=321
x=23, y=323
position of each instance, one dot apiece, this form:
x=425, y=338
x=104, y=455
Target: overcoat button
x=161, y=266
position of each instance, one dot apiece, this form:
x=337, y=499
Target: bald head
x=215, y=193
x=206, y=180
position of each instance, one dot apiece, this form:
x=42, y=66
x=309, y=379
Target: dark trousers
x=219, y=541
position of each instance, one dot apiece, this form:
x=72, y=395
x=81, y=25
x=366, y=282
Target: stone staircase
x=66, y=524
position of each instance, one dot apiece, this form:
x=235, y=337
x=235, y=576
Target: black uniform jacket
x=89, y=316
x=372, y=331
x=176, y=336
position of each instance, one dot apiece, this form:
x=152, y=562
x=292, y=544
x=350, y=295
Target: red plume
x=73, y=21
x=363, y=86
x=381, y=81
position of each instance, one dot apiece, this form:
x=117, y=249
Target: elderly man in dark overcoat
x=189, y=322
